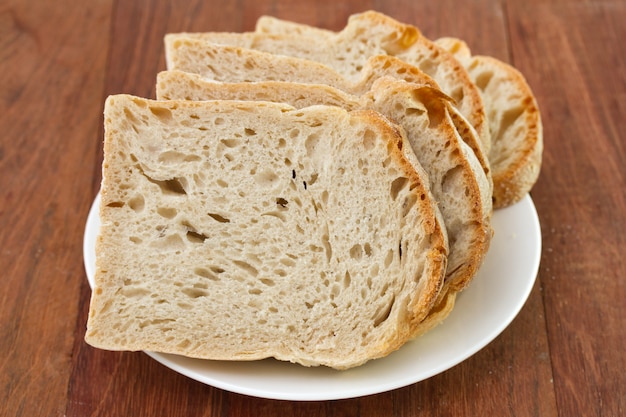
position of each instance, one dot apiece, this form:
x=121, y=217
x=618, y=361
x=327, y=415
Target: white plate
x=481, y=313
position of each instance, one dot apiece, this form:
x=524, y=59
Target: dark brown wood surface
x=564, y=355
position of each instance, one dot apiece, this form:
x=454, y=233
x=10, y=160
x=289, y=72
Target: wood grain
x=52, y=83
x=562, y=356
x=583, y=263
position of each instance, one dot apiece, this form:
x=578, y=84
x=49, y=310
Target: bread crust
x=522, y=151
x=514, y=119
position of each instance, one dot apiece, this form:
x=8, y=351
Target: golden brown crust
x=410, y=36
x=470, y=137
x=477, y=187
x=386, y=65
x=515, y=179
x=438, y=255
x=516, y=156
x=440, y=311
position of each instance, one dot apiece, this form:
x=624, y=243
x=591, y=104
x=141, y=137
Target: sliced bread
x=514, y=121
x=232, y=64
x=368, y=34
x=237, y=230
x=457, y=181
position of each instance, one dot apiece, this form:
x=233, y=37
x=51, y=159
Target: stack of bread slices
x=318, y=197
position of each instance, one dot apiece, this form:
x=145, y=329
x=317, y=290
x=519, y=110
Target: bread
x=239, y=230
x=274, y=26
x=368, y=34
x=438, y=312
x=181, y=85
x=511, y=109
x=456, y=179
x=514, y=122
x=231, y=64
x=235, y=64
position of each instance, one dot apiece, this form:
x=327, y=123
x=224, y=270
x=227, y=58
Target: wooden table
x=564, y=353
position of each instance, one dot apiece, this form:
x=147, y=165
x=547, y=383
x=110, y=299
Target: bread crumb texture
x=240, y=230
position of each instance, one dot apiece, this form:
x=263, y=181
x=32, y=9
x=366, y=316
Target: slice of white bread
x=236, y=63
x=237, y=230
x=514, y=121
x=368, y=34
x=456, y=178
x=232, y=64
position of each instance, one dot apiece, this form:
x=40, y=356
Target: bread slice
x=368, y=34
x=181, y=85
x=514, y=122
x=512, y=112
x=457, y=181
x=232, y=64
x=237, y=230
